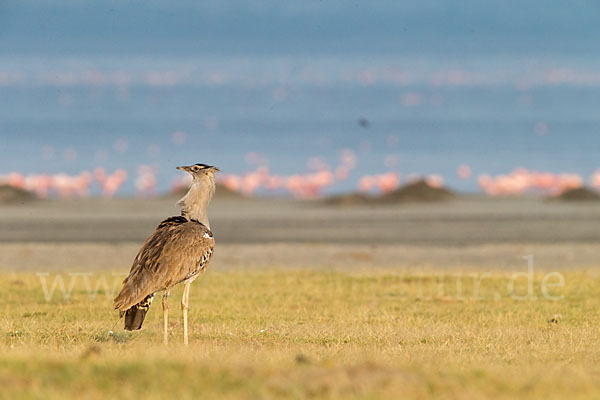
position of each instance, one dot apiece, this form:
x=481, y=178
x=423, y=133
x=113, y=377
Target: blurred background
x=303, y=99
x=432, y=123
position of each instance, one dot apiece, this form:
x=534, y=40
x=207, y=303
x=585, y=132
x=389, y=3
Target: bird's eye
x=195, y=168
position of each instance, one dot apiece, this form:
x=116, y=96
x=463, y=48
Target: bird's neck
x=194, y=205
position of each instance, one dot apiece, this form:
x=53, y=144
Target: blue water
x=495, y=87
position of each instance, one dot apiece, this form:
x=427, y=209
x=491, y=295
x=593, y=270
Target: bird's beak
x=184, y=168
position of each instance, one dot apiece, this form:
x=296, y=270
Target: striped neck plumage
x=194, y=205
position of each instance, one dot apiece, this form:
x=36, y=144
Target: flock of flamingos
x=303, y=185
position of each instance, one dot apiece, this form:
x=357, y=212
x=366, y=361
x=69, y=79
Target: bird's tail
x=134, y=316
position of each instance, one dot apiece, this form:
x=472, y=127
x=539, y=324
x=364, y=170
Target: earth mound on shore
x=14, y=195
x=418, y=192
x=578, y=194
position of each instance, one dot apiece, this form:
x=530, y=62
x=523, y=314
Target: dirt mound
x=417, y=192
x=350, y=199
x=224, y=192
x=14, y=195
x=578, y=194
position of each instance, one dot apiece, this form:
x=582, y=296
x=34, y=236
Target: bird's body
x=178, y=251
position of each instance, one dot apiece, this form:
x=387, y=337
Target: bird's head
x=199, y=171
x=202, y=188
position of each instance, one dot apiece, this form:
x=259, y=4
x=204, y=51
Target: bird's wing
x=179, y=249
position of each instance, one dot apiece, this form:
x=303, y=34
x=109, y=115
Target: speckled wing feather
x=178, y=250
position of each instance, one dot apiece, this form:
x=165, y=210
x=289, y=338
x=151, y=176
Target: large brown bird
x=178, y=251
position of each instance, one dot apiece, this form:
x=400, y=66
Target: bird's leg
x=165, y=305
x=184, y=308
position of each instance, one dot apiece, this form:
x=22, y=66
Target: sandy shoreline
x=465, y=222
x=96, y=234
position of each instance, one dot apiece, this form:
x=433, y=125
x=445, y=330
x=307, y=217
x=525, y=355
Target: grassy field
x=297, y=333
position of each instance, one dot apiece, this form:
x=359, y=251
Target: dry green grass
x=306, y=333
